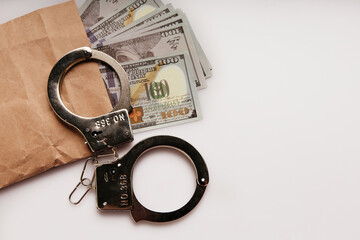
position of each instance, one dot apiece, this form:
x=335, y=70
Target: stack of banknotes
x=160, y=53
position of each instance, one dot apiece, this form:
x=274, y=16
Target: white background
x=280, y=134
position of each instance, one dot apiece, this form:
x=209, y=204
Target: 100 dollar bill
x=149, y=25
x=120, y=18
x=157, y=43
x=157, y=21
x=93, y=11
x=162, y=92
x=151, y=17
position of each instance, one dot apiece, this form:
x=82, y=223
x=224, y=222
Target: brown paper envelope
x=32, y=138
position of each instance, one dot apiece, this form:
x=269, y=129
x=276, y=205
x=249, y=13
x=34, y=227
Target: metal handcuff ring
x=102, y=132
x=113, y=180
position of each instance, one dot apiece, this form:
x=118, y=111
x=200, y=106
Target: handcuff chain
x=89, y=185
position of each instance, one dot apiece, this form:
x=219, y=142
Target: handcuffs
x=113, y=181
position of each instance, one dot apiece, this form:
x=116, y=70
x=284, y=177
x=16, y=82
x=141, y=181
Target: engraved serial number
x=124, y=196
x=109, y=120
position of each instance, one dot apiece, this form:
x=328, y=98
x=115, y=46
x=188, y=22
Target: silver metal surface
x=103, y=132
x=114, y=181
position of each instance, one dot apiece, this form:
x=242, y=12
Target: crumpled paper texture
x=33, y=139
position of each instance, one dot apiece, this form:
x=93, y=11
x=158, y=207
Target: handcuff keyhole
x=95, y=134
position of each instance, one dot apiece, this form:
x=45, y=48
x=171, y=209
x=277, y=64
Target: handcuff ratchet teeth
x=102, y=132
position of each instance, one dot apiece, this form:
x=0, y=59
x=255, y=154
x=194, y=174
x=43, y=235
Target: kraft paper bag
x=32, y=138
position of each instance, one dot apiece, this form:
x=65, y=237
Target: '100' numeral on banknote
x=162, y=92
x=160, y=53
